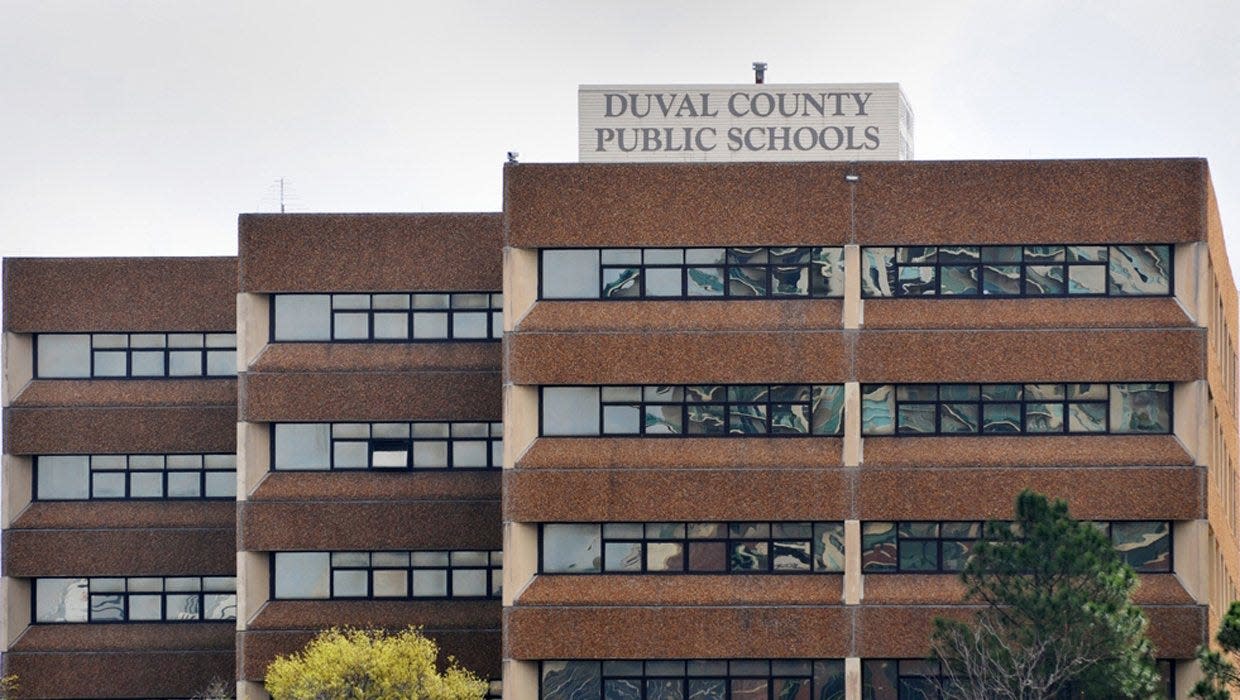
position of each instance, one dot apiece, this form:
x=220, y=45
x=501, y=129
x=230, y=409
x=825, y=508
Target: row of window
x=800, y=547
x=134, y=355
x=407, y=575
x=1035, y=271
x=932, y=409
x=691, y=273
x=935, y=547
x=136, y=599
x=747, y=679
x=387, y=446
x=780, y=547
x=751, y=679
x=145, y=476
x=740, y=410
x=887, y=271
x=387, y=317
x=716, y=409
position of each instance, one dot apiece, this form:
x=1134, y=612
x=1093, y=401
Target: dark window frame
x=1023, y=264
x=685, y=541
x=726, y=267
x=940, y=540
x=449, y=313
x=129, y=351
x=769, y=678
x=726, y=405
x=495, y=572
x=490, y=439
x=201, y=594
x=164, y=472
x=1023, y=402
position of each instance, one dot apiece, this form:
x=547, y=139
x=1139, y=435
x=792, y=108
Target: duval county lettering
x=696, y=108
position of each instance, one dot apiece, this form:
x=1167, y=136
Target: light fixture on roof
x=512, y=157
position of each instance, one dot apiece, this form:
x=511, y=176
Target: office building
x=656, y=430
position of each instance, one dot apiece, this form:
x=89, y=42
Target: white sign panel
x=770, y=122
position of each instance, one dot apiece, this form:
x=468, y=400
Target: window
x=99, y=477
x=919, y=679
x=388, y=317
x=135, y=355
x=373, y=575
x=738, y=410
x=692, y=273
x=387, y=446
x=135, y=599
x=975, y=409
x=740, y=679
x=939, y=547
x=717, y=547
x=1009, y=271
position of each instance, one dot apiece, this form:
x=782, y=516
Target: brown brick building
x=749, y=417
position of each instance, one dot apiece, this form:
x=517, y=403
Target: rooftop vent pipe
x=759, y=72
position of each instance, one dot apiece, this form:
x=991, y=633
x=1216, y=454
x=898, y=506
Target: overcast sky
x=144, y=128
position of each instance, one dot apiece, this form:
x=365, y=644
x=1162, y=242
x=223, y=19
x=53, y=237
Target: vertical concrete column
x=854, y=582
x=17, y=483
x=1187, y=673
x=250, y=690
x=852, y=678
x=854, y=309
x=253, y=585
x=852, y=424
x=18, y=365
x=253, y=456
x=16, y=596
x=253, y=327
x=1192, y=414
x=520, y=680
x=520, y=539
x=1191, y=544
x=520, y=283
x=1193, y=282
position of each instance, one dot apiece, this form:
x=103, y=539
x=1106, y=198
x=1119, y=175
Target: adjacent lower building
x=653, y=431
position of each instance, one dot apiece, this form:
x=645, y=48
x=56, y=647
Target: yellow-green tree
x=355, y=664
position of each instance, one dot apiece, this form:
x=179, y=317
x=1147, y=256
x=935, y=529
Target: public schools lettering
x=740, y=105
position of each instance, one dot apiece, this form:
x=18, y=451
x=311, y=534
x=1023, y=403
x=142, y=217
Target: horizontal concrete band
x=90, y=515
x=120, y=393
x=476, y=650
x=128, y=552
x=677, y=357
x=557, y=205
x=330, y=525
x=609, y=495
x=645, y=590
x=344, y=396
x=370, y=252
x=380, y=357
x=824, y=314
x=35, y=431
x=824, y=452
x=379, y=485
x=130, y=637
x=82, y=295
x=97, y=674
x=760, y=632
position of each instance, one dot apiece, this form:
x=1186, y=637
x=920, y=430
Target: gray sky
x=144, y=128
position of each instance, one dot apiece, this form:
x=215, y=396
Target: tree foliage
x=1219, y=674
x=356, y=664
x=1056, y=619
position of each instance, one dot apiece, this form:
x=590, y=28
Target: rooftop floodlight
x=512, y=156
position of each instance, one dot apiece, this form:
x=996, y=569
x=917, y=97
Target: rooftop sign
x=767, y=122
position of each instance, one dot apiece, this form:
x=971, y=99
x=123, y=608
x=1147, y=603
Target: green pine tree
x=1057, y=619
x=1220, y=675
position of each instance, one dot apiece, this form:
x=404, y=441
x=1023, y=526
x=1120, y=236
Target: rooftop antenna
x=281, y=195
x=759, y=72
